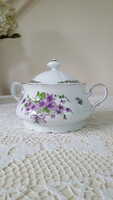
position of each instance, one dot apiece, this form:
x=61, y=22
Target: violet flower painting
x=44, y=105
x=69, y=81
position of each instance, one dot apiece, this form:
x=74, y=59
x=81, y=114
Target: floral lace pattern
x=68, y=166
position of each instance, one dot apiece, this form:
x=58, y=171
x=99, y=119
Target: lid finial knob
x=53, y=64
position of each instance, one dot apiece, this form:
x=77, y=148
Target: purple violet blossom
x=66, y=81
x=68, y=110
x=42, y=104
x=58, y=112
x=60, y=107
x=30, y=103
x=52, y=105
x=80, y=102
x=62, y=101
x=33, y=107
x=71, y=81
x=24, y=100
x=28, y=108
x=49, y=97
x=75, y=81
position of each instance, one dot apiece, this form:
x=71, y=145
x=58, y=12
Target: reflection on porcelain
x=54, y=101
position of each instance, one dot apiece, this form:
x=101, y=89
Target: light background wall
x=79, y=33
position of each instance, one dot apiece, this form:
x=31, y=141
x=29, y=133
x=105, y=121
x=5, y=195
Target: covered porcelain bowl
x=54, y=101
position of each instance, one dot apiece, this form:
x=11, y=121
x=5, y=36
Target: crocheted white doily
x=68, y=166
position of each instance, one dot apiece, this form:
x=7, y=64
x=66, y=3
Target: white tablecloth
x=69, y=166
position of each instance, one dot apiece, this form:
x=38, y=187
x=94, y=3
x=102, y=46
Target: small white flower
x=8, y=22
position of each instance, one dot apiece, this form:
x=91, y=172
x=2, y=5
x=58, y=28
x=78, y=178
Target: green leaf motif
x=45, y=110
x=28, y=98
x=80, y=101
x=36, y=101
x=63, y=96
x=25, y=105
x=36, y=121
x=77, y=98
x=42, y=95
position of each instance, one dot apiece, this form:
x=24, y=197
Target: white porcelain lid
x=54, y=75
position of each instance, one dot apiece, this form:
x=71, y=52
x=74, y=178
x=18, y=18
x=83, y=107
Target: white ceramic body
x=68, y=111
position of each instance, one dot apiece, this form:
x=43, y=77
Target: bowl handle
x=14, y=87
x=90, y=93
